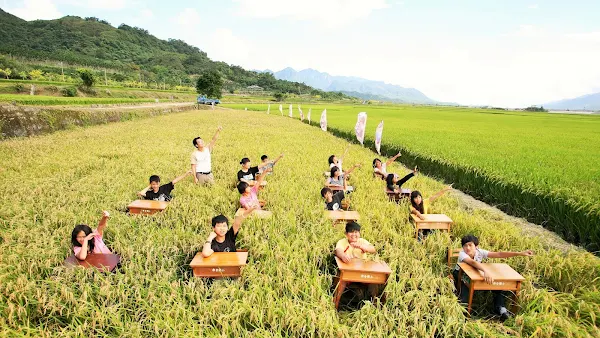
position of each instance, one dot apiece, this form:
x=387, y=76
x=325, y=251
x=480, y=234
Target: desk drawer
x=364, y=277
x=142, y=211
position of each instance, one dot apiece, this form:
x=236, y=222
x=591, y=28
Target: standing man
x=201, y=163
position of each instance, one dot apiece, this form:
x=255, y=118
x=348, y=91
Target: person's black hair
x=375, y=161
x=331, y=159
x=219, y=219
x=264, y=157
x=352, y=227
x=244, y=160
x=325, y=190
x=419, y=207
x=87, y=230
x=196, y=139
x=154, y=178
x=469, y=238
x=333, y=170
x=242, y=187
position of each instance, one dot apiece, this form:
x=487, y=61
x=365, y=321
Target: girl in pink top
x=86, y=241
x=249, y=198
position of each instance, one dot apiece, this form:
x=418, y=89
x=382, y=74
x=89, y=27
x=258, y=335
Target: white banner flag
x=378, y=135
x=301, y=114
x=324, y=120
x=281, y=109
x=291, y=111
x=308, y=117
x=361, y=124
x=269, y=109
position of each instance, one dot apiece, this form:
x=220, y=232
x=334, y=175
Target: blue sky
x=506, y=53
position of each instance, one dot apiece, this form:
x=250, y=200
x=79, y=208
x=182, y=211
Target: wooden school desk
x=505, y=279
x=255, y=213
x=219, y=264
x=361, y=271
x=146, y=207
x=431, y=221
x=342, y=215
x=107, y=262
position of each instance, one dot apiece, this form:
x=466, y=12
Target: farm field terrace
x=545, y=167
x=56, y=181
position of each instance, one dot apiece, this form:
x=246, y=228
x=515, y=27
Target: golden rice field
x=54, y=182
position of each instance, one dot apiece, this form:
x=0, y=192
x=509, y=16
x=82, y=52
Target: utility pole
x=105, y=80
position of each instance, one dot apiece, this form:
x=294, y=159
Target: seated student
x=473, y=255
x=334, y=161
x=157, y=192
x=86, y=241
x=337, y=178
x=267, y=163
x=333, y=201
x=353, y=246
x=249, y=194
x=380, y=169
x=222, y=238
x=420, y=206
x=394, y=182
x=247, y=173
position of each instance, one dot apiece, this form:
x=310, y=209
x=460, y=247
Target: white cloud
x=188, y=17
x=146, y=14
x=590, y=37
x=223, y=45
x=529, y=31
x=534, y=6
x=35, y=9
x=328, y=12
x=106, y=4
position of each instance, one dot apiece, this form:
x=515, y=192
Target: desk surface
x=221, y=259
x=499, y=271
x=148, y=204
x=100, y=261
x=357, y=264
x=432, y=218
x=342, y=215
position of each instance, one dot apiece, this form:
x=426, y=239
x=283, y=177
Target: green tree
x=86, y=76
x=279, y=96
x=35, y=74
x=7, y=72
x=23, y=75
x=210, y=84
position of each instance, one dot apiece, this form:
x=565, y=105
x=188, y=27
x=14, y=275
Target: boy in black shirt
x=248, y=174
x=222, y=238
x=158, y=192
x=333, y=201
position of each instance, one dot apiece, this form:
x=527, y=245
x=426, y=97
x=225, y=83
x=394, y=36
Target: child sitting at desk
x=333, y=201
x=353, y=246
x=267, y=163
x=337, y=178
x=157, y=192
x=394, y=182
x=222, y=238
x=86, y=241
x=249, y=194
x=380, y=169
x=420, y=206
x=337, y=162
x=473, y=255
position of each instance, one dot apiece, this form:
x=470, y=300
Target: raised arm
x=392, y=159
x=261, y=177
x=206, y=248
x=345, y=182
x=214, y=139
x=508, y=254
x=347, y=172
x=237, y=223
x=142, y=193
x=440, y=193
x=345, y=152
x=179, y=178
x=102, y=223
x=278, y=158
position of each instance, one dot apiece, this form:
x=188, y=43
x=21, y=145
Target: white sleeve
x=462, y=256
x=484, y=254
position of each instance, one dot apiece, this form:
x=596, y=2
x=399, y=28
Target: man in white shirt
x=201, y=160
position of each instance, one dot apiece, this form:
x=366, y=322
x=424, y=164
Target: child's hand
x=211, y=236
x=345, y=258
x=195, y=179
x=105, y=214
x=487, y=277
x=140, y=194
x=398, y=154
x=219, y=128
x=91, y=235
x=189, y=172
x=527, y=253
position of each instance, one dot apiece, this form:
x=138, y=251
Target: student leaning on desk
x=353, y=246
x=473, y=255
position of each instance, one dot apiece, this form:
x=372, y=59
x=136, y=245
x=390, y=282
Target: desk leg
x=471, y=292
x=338, y=292
x=514, y=306
x=416, y=231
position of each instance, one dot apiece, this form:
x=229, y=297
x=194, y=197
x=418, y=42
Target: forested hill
x=132, y=51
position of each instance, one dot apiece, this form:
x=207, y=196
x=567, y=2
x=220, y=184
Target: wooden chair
x=452, y=253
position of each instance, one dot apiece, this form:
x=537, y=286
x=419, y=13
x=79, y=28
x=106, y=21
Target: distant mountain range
x=354, y=86
x=585, y=102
